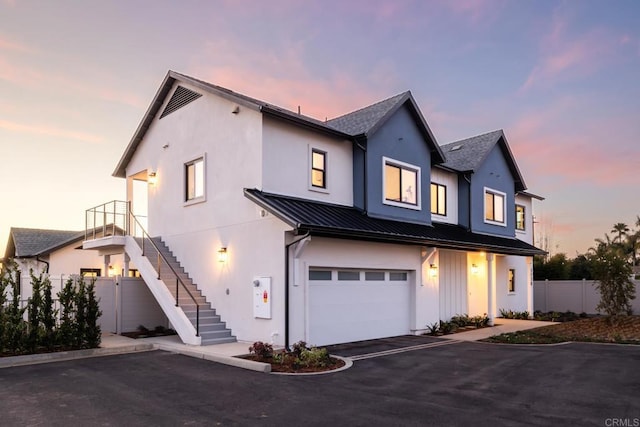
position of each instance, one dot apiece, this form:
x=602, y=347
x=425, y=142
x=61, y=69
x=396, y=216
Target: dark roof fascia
x=422, y=125
x=450, y=169
x=384, y=238
x=513, y=165
x=300, y=228
x=533, y=196
x=303, y=121
x=276, y=212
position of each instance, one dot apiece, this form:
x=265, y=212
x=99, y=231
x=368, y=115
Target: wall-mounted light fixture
x=112, y=271
x=152, y=178
x=474, y=269
x=222, y=255
x=433, y=270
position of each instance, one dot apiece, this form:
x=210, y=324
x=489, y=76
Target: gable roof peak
x=366, y=119
x=467, y=155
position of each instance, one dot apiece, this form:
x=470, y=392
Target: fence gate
x=106, y=294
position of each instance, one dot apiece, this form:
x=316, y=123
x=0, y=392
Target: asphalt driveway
x=458, y=384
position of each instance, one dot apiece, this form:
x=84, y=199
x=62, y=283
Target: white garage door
x=354, y=305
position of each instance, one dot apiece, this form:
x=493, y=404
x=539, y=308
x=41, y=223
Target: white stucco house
x=269, y=225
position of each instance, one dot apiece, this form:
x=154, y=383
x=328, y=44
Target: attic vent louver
x=181, y=97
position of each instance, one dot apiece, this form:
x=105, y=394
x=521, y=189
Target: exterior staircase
x=212, y=329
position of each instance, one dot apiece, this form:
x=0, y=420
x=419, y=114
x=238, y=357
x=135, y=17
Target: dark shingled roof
x=347, y=222
x=361, y=121
x=30, y=242
x=467, y=155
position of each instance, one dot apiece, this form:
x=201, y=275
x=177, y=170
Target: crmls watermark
x=622, y=422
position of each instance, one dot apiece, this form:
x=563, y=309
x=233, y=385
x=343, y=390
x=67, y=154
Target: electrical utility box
x=262, y=297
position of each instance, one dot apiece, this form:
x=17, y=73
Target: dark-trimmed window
x=511, y=280
x=318, y=169
x=90, y=272
x=401, y=183
x=520, y=224
x=438, y=199
x=494, y=206
x=194, y=179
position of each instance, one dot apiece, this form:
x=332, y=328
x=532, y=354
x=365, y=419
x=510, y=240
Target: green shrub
x=315, y=357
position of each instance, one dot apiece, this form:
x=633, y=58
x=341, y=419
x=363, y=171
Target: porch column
x=491, y=289
x=107, y=261
x=126, y=264
x=530, y=287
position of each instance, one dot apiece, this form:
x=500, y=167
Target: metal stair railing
x=115, y=218
x=160, y=257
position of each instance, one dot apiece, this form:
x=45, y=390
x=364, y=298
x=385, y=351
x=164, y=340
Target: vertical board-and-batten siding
x=453, y=284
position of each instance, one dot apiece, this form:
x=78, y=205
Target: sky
x=562, y=78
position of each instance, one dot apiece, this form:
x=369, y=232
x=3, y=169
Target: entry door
x=453, y=284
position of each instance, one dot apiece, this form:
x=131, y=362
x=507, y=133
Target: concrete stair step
x=213, y=341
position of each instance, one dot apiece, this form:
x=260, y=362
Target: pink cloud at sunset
x=49, y=131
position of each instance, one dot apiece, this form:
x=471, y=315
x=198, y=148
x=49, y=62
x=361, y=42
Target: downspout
x=364, y=184
x=286, y=287
x=46, y=270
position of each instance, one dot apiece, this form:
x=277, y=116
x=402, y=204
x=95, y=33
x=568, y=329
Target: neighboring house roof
x=366, y=121
x=347, y=222
x=467, y=155
x=358, y=123
x=32, y=242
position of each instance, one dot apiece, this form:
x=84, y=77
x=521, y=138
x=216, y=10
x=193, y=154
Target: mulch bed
x=289, y=367
x=622, y=330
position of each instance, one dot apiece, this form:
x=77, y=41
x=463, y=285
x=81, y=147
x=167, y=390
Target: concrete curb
x=225, y=360
x=34, y=359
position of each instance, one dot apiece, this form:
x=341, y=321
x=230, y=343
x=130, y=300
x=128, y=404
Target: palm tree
x=622, y=229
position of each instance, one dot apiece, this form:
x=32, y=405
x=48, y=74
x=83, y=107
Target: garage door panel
x=343, y=311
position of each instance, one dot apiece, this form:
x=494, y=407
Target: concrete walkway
x=502, y=326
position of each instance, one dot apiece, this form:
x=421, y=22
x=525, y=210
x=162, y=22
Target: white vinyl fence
x=126, y=302
x=572, y=295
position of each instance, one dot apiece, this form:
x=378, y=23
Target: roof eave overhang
x=147, y=119
x=303, y=122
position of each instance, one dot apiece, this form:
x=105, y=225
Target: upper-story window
x=194, y=180
x=494, y=205
x=318, y=169
x=520, y=224
x=438, y=199
x=401, y=184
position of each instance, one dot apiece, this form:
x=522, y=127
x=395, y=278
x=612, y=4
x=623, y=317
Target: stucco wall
x=231, y=146
x=450, y=180
x=527, y=234
x=286, y=163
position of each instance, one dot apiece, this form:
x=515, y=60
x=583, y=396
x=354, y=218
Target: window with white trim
x=494, y=205
x=318, y=169
x=438, y=199
x=401, y=184
x=194, y=179
x=520, y=224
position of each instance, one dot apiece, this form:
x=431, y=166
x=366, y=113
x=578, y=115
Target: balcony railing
x=116, y=219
